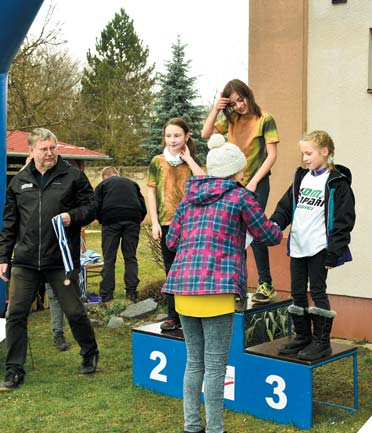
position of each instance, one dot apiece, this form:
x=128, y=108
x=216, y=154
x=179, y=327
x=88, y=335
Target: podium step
x=270, y=350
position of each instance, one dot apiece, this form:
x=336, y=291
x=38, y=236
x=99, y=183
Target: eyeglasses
x=51, y=149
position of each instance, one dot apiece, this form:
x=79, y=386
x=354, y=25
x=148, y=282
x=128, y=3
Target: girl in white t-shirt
x=320, y=207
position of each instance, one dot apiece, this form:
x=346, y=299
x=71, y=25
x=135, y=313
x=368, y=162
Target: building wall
x=309, y=65
x=338, y=55
x=277, y=76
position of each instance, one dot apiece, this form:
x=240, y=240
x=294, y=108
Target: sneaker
x=89, y=364
x=12, y=381
x=264, y=293
x=61, y=343
x=170, y=325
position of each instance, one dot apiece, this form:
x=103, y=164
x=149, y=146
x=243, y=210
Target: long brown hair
x=324, y=141
x=244, y=92
x=177, y=121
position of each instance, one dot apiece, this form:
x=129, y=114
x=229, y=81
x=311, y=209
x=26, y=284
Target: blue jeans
x=207, y=342
x=260, y=251
x=56, y=313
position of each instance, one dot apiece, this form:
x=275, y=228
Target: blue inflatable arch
x=16, y=17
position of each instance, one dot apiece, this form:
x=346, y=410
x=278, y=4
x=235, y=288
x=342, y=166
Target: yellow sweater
x=205, y=305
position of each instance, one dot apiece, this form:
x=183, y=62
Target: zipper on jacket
x=329, y=223
x=39, y=258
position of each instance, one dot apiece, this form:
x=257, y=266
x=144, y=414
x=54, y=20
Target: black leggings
x=309, y=271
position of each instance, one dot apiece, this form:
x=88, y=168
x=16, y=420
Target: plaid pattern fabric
x=208, y=231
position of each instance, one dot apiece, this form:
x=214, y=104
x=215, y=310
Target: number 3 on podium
x=280, y=401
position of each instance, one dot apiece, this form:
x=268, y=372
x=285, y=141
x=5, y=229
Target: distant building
x=18, y=150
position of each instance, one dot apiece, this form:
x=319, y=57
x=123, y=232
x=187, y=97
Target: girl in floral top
x=166, y=187
x=208, y=232
x=256, y=135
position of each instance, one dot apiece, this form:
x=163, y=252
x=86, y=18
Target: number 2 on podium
x=155, y=372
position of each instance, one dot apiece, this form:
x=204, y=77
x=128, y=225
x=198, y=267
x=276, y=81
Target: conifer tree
x=116, y=91
x=175, y=98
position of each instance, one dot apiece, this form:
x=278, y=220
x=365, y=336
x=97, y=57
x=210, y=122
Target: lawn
x=55, y=398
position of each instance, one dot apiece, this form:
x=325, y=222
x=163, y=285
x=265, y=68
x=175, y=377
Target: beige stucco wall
x=277, y=75
x=338, y=45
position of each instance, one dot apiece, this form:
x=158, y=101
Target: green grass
x=55, y=398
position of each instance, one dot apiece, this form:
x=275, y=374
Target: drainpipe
x=16, y=17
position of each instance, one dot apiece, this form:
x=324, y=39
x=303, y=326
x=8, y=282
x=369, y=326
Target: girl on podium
x=208, y=234
x=319, y=205
x=166, y=187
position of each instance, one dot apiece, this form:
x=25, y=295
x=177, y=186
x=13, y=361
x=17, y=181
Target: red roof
x=17, y=145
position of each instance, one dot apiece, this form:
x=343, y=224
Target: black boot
x=321, y=344
x=302, y=325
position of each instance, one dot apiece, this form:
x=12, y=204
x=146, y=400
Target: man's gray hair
x=41, y=134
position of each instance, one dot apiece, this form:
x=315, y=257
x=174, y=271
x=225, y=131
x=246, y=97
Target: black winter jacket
x=339, y=212
x=119, y=199
x=27, y=228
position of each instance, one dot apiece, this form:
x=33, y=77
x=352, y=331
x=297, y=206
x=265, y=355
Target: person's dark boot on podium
x=302, y=324
x=321, y=343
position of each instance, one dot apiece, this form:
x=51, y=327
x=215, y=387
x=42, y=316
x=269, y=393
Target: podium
x=258, y=380
x=283, y=384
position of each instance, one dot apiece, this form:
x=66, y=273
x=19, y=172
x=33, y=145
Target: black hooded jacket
x=119, y=199
x=27, y=228
x=339, y=212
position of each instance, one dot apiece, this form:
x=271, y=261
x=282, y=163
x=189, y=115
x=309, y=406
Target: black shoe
x=61, y=343
x=130, y=298
x=314, y=351
x=170, y=325
x=295, y=344
x=11, y=381
x=107, y=298
x=89, y=364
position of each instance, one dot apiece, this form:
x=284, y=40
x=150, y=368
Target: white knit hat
x=224, y=159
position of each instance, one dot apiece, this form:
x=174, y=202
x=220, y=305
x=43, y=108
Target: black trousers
x=260, y=250
x=126, y=234
x=24, y=284
x=168, y=258
x=309, y=272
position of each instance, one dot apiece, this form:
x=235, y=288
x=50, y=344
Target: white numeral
x=281, y=402
x=155, y=373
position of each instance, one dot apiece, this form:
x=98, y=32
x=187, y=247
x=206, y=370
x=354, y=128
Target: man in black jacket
x=120, y=209
x=47, y=187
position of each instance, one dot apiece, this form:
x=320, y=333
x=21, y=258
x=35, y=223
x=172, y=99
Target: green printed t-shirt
x=251, y=135
x=170, y=184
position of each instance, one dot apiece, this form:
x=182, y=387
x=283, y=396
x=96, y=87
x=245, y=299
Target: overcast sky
x=215, y=32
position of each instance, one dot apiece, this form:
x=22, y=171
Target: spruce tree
x=175, y=98
x=117, y=91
